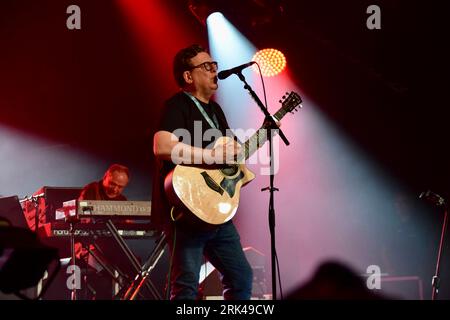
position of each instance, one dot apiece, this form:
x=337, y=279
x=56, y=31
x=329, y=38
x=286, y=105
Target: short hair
x=117, y=168
x=182, y=62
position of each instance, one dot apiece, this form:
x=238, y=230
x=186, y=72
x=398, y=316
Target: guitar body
x=210, y=194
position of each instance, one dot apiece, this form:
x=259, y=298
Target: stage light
x=201, y=10
x=213, y=17
x=231, y=48
x=271, y=61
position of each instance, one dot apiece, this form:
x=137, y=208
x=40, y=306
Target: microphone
x=226, y=73
x=432, y=197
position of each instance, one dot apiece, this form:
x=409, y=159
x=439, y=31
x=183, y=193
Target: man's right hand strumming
x=226, y=153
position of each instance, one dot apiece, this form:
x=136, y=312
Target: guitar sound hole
x=230, y=170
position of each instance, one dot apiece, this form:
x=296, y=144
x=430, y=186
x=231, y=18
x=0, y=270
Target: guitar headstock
x=290, y=102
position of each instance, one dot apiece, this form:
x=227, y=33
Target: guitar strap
x=215, y=124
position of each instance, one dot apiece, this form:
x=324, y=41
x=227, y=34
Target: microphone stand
x=271, y=188
x=436, y=281
x=439, y=202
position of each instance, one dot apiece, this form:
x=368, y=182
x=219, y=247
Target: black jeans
x=222, y=247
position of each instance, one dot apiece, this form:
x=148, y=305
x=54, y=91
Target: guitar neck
x=258, y=139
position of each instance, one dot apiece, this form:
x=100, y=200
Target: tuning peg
x=284, y=97
x=280, y=101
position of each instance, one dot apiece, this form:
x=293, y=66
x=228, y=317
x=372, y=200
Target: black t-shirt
x=95, y=191
x=180, y=112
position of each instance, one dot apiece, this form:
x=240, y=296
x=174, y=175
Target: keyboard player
x=114, y=181
x=110, y=188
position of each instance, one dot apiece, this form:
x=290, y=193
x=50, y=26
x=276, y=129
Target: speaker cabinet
x=404, y=288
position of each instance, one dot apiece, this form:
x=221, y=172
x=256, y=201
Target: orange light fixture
x=271, y=61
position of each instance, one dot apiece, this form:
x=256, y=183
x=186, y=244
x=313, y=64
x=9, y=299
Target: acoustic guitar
x=213, y=194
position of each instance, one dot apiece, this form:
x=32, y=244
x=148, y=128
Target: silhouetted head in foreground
x=335, y=281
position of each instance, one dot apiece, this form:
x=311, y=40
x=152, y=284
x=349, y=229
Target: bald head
x=115, y=180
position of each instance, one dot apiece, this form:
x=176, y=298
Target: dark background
x=88, y=89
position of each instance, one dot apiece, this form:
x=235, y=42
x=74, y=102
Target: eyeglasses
x=208, y=66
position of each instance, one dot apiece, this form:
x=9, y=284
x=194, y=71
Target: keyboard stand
x=73, y=289
x=144, y=272
x=120, y=278
x=131, y=258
